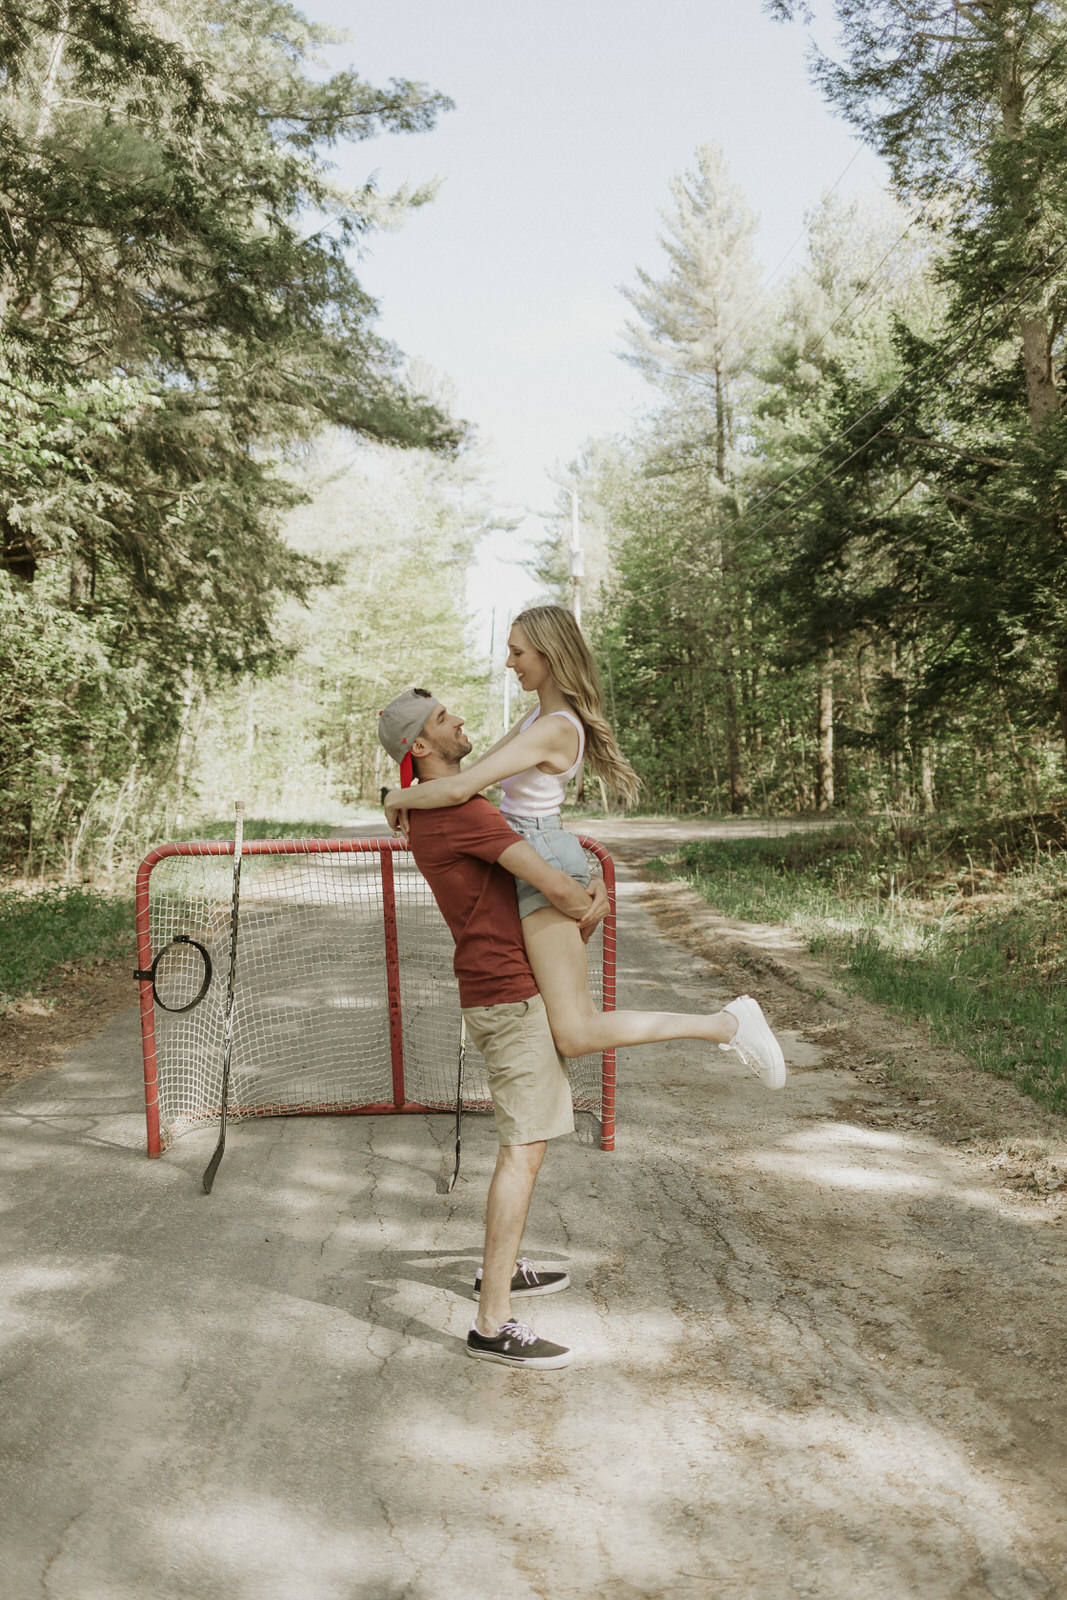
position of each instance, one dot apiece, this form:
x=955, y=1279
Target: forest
x=832, y=565
x=182, y=326
x=826, y=572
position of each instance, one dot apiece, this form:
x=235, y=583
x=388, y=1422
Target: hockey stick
x=227, y=1025
x=459, y=1097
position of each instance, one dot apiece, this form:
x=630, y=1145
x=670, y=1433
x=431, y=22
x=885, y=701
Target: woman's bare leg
x=557, y=955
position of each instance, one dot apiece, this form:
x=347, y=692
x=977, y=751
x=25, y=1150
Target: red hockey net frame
x=395, y=896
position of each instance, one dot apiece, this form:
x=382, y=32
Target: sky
x=570, y=119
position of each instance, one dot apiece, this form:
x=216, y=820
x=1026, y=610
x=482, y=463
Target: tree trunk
x=82, y=580
x=733, y=744
x=1061, y=691
x=929, y=799
x=16, y=551
x=183, y=744
x=824, y=783
x=720, y=423
x=1042, y=395
x=50, y=82
x=47, y=97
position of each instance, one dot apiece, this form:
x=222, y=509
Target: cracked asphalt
x=819, y=1343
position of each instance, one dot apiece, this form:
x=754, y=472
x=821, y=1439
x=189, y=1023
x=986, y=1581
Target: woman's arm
x=514, y=730
x=547, y=739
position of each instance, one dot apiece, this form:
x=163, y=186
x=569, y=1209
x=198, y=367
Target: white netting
x=311, y=1015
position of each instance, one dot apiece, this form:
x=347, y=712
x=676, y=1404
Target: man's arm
x=522, y=860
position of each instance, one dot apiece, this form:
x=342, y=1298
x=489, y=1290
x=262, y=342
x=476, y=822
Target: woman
x=533, y=764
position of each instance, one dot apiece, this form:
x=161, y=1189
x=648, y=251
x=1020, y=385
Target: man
x=469, y=855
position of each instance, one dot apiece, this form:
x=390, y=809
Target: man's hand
x=599, y=906
x=395, y=813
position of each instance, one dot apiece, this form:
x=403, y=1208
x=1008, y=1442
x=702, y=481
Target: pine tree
x=967, y=103
x=693, y=341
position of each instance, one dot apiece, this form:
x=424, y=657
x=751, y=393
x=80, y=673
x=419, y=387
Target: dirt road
x=820, y=1333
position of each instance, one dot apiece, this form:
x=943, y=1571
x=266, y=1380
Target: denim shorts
x=556, y=846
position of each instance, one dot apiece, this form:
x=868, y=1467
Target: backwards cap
x=400, y=724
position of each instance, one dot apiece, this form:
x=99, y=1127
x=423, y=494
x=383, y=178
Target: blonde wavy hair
x=554, y=631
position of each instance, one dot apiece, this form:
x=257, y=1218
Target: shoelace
x=745, y=1051
x=519, y=1331
x=523, y=1265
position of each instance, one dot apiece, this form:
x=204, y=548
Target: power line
x=740, y=326
x=870, y=280
x=1044, y=267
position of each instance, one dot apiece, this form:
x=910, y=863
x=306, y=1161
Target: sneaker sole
x=524, y=1294
x=539, y=1363
x=777, y=1080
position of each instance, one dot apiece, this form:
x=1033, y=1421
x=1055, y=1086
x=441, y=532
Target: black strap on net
x=151, y=974
x=459, y=1097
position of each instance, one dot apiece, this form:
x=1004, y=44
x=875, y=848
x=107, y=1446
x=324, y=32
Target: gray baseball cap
x=400, y=724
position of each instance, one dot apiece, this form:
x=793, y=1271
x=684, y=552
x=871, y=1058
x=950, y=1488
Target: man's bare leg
x=517, y=1166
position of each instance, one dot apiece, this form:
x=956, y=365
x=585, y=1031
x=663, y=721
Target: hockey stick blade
x=227, y=1026
x=213, y=1165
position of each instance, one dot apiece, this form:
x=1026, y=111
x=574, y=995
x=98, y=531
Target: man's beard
x=453, y=749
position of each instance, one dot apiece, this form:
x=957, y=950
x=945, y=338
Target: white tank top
x=540, y=794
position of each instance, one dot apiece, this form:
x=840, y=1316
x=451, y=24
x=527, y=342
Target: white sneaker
x=755, y=1043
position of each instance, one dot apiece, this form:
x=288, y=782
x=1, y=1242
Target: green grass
x=39, y=931
x=266, y=828
x=962, y=930
x=45, y=929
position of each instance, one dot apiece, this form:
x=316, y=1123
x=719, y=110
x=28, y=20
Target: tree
x=695, y=338
x=695, y=344
x=398, y=527
x=551, y=565
x=832, y=358
x=178, y=313
x=966, y=101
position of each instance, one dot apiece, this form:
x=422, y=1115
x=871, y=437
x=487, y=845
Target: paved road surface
x=791, y=1375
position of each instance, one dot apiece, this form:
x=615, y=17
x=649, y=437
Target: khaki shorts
x=527, y=1075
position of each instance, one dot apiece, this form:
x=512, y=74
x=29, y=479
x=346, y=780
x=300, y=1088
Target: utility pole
x=577, y=571
x=577, y=560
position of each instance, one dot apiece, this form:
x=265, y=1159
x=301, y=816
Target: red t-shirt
x=456, y=849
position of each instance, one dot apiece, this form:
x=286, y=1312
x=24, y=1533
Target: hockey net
x=345, y=1001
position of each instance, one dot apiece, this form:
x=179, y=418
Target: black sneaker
x=528, y=1280
x=516, y=1345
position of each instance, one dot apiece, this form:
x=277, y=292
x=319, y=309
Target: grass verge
x=268, y=828
x=49, y=928
x=963, y=929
